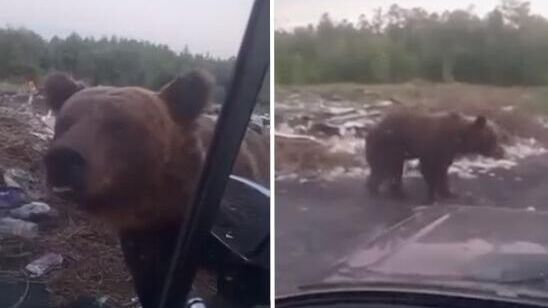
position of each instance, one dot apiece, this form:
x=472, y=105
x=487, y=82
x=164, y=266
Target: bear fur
x=436, y=139
x=132, y=157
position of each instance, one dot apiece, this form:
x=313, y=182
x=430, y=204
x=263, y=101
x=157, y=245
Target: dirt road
x=316, y=222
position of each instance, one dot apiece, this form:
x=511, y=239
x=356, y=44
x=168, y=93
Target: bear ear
x=188, y=95
x=58, y=88
x=480, y=121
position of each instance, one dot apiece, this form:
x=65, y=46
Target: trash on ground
x=44, y=264
x=18, y=227
x=32, y=211
x=16, y=177
x=11, y=197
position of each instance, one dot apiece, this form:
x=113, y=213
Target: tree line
x=507, y=46
x=25, y=55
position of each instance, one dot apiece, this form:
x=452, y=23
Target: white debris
x=385, y=103
x=345, y=152
x=31, y=210
x=297, y=137
x=339, y=110
x=44, y=264
x=15, y=177
x=543, y=121
x=346, y=145
x=524, y=147
x=284, y=128
x=469, y=167
x=286, y=177
x=18, y=227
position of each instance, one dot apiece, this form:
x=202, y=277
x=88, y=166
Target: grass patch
x=10, y=87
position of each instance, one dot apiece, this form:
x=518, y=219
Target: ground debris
x=33, y=211
x=18, y=227
x=329, y=134
x=44, y=264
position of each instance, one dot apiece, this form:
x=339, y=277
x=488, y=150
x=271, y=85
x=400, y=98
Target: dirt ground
x=322, y=207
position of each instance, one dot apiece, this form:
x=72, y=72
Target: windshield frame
x=250, y=70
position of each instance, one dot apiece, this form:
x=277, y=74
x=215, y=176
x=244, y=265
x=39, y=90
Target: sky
x=214, y=26
x=292, y=13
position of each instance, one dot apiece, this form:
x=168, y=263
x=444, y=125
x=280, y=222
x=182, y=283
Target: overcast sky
x=292, y=13
x=214, y=26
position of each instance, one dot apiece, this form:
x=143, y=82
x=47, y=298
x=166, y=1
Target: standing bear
x=435, y=139
x=132, y=157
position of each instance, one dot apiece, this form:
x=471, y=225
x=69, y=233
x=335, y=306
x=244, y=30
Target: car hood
x=454, y=244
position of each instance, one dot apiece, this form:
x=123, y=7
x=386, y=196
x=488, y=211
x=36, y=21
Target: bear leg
x=148, y=255
x=444, y=190
x=374, y=181
x=431, y=177
x=396, y=184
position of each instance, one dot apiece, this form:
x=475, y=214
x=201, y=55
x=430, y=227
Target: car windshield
x=411, y=145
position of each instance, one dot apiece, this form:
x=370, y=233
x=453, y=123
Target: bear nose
x=65, y=170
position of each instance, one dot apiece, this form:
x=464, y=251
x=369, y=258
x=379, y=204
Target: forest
x=507, y=46
x=25, y=55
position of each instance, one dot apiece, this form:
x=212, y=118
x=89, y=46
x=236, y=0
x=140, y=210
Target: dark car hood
x=454, y=243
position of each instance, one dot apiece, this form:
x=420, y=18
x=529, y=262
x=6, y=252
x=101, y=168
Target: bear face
x=128, y=155
x=480, y=138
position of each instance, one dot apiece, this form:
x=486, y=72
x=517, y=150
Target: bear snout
x=66, y=172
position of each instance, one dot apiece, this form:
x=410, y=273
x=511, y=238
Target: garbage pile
x=323, y=138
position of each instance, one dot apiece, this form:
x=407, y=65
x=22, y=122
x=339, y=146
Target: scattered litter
x=385, y=103
x=16, y=177
x=341, y=127
x=286, y=177
x=44, y=264
x=32, y=211
x=18, y=227
x=11, y=197
x=340, y=110
x=101, y=300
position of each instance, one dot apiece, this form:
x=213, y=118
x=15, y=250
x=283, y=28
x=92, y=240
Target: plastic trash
x=32, y=211
x=18, y=227
x=11, y=197
x=44, y=264
x=196, y=302
x=16, y=177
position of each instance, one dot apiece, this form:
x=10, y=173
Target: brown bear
x=436, y=139
x=132, y=157
x=57, y=87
